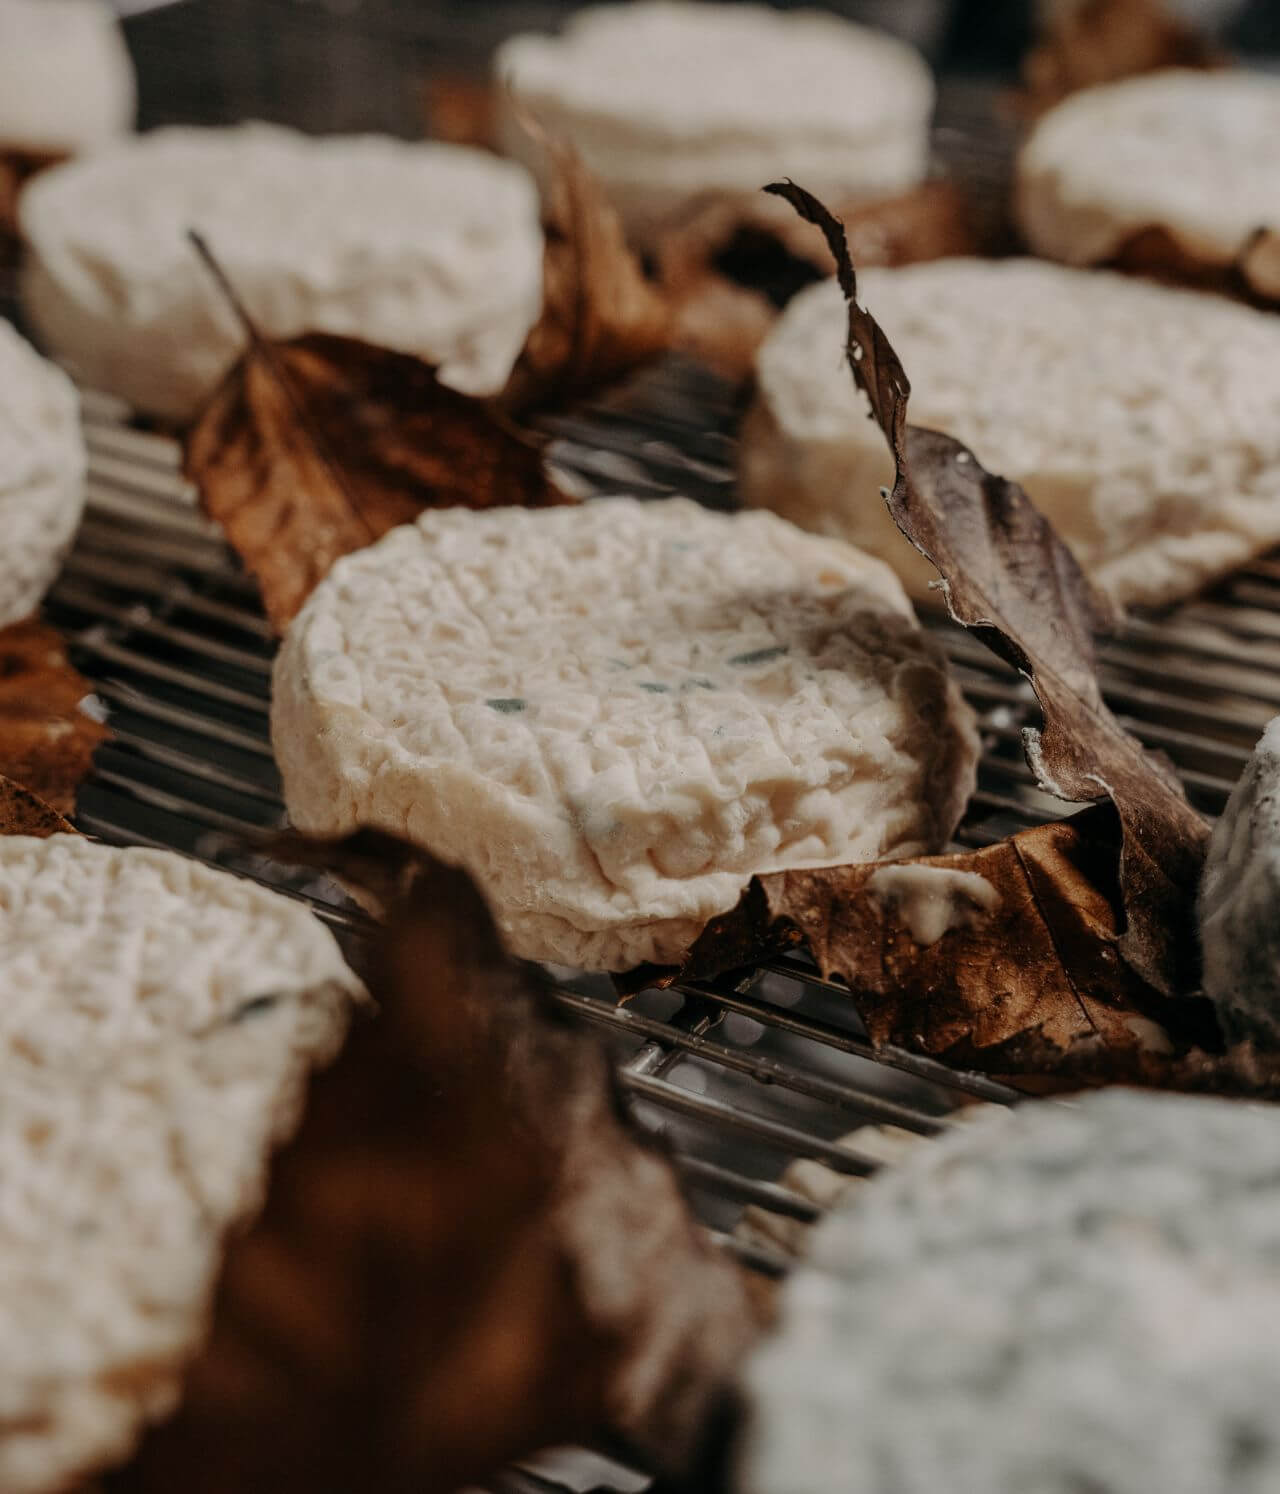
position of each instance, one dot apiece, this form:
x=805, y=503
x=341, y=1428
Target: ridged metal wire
x=742, y=1076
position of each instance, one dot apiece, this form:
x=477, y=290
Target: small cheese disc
x=157, y=1025
x=1192, y=154
x=430, y=249
x=1143, y=421
x=614, y=715
x=1065, y=1297
x=42, y=474
x=66, y=79
x=670, y=103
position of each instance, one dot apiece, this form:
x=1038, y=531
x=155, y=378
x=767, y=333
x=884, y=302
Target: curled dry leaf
x=316, y=447
x=1000, y=959
x=735, y=263
x=601, y=316
x=1087, y=42
x=1008, y=577
x=461, y=109
x=47, y=741
x=21, y=813
x=1253, y=275
x=467, y=1252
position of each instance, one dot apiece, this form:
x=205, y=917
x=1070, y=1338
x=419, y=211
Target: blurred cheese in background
x=66, y=81
x=675, y=104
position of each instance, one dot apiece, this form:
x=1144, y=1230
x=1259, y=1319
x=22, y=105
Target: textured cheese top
x=614, y=715
x=1144, y=421
x=667, y=100
x=1191, y=152
x=1065, y=1298
x=430, y=249
x=42, y=471
x=66, y=79
x=157, y=1022
x=1239, y=898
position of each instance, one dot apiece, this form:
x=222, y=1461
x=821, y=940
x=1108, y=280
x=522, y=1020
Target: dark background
x=342, y=65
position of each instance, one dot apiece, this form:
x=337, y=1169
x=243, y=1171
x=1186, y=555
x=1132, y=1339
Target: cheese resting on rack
x=673, y=103
x=42, y=474
x=1143, y=421
x=614, y=715
x=430, y=249
x=1059, y=1298
x=157, y=1025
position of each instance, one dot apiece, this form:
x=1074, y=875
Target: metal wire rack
x=743, y=1075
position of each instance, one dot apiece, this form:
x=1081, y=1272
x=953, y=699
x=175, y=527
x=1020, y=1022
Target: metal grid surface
x=742, y=1076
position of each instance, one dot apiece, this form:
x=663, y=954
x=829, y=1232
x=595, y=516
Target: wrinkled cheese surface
x=614, y=715
x=1067, y=1297
x=157, y=1021
x=1142, y=420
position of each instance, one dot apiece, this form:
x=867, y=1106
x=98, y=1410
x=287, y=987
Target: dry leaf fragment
x=316, y=447
x=21, y=813
x=47, y=741
x=466, y=1254
x=730, y=267
x=1087, y=42
x=1252, y=276
x=1009, y=577
x=461, y=110
x=601, y=317
x=995, y=959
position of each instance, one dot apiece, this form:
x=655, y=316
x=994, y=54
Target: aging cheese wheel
x=614, y=715
x=1142, y=420
x=431, y=249
x=157, y=1024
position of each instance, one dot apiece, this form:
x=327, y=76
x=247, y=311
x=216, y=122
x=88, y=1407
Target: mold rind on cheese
x=702, y=698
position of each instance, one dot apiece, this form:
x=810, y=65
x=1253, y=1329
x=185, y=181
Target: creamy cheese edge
x=932, y=900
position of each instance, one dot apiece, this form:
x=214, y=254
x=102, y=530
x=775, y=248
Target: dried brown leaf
x=601, y=316
x=316, y=447
x=467, y=1253
x=46, y=741
x=733, y=264
x=21, y=813
x=1252, y=275
x=1087, y=42
x=461, y=109
x=1006, y=981
x=1006, y=575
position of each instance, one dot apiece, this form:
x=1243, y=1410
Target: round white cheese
x=1193, y=153
x=157, y=1024
x=1143, y=421
x=66, y=78
x=430, y=249
x=1062, y=1298
x=614, y=715
x=42, y=474
x=671, y=102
